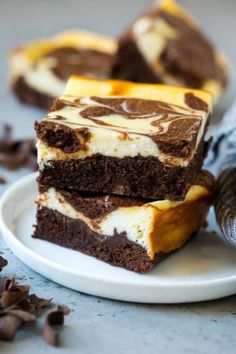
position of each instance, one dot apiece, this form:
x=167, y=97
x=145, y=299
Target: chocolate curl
x=9, y=325
x=10, y=321
x=17, y=307
x=2, y=180
x=54, y=318
x=3, y=262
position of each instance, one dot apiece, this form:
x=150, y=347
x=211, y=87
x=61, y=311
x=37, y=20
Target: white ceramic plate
x=205, y=269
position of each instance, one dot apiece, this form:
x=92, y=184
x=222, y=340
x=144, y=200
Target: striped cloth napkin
x=224, y=150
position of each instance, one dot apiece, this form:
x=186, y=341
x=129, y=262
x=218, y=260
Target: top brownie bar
x=124, y=138
x=39, y=70
x=165, y=44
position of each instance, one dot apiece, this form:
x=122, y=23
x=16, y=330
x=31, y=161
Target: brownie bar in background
x=39, y=70
x=166, y=45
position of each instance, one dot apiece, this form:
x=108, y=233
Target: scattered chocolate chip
x=17, y=306
x=2, y=180
x=38, y=302
x=17, y=153
x=19, y=313
x=6, y=133
x=54, y=318
x=63, y=308
x=3, y=262
x=13, y=294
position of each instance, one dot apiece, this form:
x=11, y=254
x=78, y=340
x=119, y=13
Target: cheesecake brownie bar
x=166, y=45
x=130, y=233
x=39, y=70
x=123, y=138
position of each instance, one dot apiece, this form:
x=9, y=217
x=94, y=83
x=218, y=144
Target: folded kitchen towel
x=225, y=204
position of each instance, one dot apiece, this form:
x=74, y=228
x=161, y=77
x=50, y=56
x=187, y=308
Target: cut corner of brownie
x=116, y=250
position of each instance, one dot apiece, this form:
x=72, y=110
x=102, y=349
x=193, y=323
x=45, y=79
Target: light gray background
x=99, y=325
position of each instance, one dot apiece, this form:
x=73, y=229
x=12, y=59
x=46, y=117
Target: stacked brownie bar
x=120, y=170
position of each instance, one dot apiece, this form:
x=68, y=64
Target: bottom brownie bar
x=130, y=233
x=116, y=250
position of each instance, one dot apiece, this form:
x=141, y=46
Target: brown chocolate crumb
x=15, y=154
x=65, y=309
x=2, y=180
x=17, y=306
x=9, y=325
x=3, y=262
x=54, y=318
x=61, y=137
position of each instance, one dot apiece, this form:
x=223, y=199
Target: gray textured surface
x=98, y=325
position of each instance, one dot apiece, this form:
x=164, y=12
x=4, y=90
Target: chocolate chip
x=17, y=306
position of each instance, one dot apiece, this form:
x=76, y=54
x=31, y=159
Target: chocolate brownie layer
x=136, y=176
x=116, y=250
x=96, y=206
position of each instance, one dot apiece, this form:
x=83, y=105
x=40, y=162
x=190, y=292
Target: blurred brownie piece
x=3, y=262
x=119, y=137
x=39, y=70
x=131, y=233
x=166, y=45
x=16, y=153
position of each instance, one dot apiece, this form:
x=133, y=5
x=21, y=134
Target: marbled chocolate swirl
x=151, y=117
